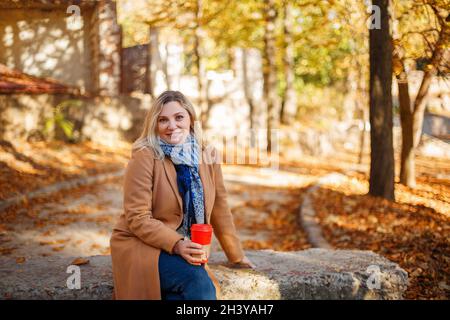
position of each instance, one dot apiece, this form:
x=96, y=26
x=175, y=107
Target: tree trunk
x=288, y=97
x=407, y=165
x=199, y=65
x=412, y=117
x=269, y=74
x=165, y=67
x=199, y=79
x=361, y=103
x=152, y=59
x=248, y=96
x=431, y=70
x=208, y=103
x=407, y=157
x=362, y=137
x=382, y=152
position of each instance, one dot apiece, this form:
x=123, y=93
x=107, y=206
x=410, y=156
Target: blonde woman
x=172, y=181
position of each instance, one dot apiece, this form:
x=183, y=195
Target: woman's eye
x=162, y=120
x=179, y=117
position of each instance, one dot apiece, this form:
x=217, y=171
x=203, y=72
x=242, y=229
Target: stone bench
x=307, y=274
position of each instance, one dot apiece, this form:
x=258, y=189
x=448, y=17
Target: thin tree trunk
x=199, y=65
x=420, y=101
x=199, y=78
x=283, y=95
x=412, y=116
x=382, y=152
x=269, y=74
x=152, y=58
x=248, y=96
x=407, y=165
x=407, y=156
x=208, y=102
x=166, y=67
x=361, y=102
x=362, y=137
x=288, y=97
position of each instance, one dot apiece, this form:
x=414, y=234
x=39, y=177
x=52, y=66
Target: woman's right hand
x=186, y=248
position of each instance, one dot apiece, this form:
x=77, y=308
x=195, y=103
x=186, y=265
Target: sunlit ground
x=265, y=203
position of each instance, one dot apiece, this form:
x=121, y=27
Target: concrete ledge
x=308, y=274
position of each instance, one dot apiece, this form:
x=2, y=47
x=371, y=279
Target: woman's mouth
x=175, y=136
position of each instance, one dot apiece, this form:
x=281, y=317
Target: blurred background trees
x=301, y=69
x=314, y=61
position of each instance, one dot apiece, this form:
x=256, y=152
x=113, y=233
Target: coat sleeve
x=137, y=202
x=222, y=220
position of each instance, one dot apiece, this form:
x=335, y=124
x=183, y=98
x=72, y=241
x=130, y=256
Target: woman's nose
x=172, y=124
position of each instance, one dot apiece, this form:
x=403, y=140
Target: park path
x=80, y=223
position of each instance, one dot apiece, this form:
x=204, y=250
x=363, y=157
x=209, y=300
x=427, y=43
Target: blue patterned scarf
x=185, y=157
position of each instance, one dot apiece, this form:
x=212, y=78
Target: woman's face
x=173, y=123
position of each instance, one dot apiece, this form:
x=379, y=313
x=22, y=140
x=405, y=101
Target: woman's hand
x=186, y=248
x=244, y=263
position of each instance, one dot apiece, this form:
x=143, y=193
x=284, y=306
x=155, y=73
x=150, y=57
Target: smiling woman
x=171, y=119
x=170, y=184
x=173, y=123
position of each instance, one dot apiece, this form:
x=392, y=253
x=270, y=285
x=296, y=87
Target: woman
x=172, y=181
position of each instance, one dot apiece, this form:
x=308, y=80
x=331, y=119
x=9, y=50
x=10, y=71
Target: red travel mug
x=201, y=234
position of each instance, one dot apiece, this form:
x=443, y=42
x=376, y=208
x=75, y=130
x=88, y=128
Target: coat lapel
x=171, y=174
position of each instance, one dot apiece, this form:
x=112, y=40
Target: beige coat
x=153, y=212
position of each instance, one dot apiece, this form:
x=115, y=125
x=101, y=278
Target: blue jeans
x=181, y=280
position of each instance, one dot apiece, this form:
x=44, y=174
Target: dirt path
x=80, y=223
x=77, y=225
x=265, y=204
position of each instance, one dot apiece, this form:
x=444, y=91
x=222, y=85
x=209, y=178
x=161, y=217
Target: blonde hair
x=149, y=135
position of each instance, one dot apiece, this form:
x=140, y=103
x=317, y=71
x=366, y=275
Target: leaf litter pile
x=29, y=166
x=413, y=232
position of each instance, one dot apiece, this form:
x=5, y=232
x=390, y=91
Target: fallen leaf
x=20, y=260
x=80, y=261
x=43, y=243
